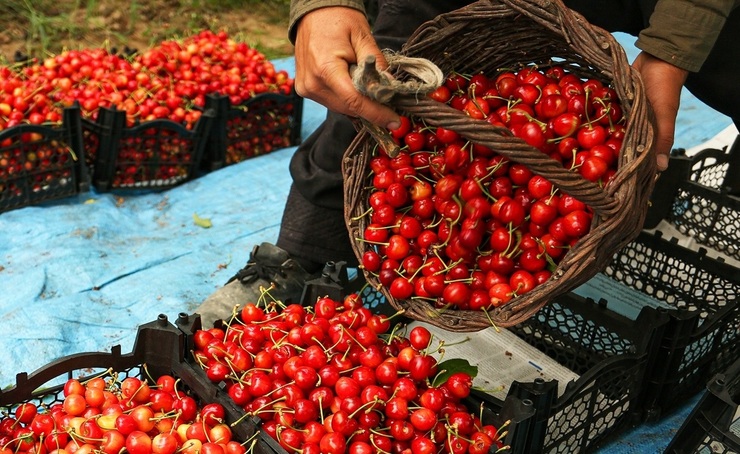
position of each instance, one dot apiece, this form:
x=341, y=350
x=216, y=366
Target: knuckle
x=308, y=87
x=355, y=103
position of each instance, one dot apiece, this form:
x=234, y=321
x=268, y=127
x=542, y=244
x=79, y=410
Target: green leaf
x=202, y=222
x=452, y=366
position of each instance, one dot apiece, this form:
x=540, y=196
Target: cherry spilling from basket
x=331, y=379
x=455, y=223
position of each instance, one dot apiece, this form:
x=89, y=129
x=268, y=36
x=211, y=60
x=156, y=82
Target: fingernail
x=662, y=162
x=393, y=125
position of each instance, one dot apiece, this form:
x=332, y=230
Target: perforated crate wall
x=703, y=334
x=92, y=135
x=156, y=154
x=260, y=125
x=42, y=162
x=700, y=196
x=610, y=353
x=702, y=210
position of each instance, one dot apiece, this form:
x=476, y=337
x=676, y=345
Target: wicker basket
x=492, y=34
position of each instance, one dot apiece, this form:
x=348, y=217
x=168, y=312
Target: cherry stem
x=482, y=188
x=497, y=389
x=75, y=436
x=321, y=410
x=490, y=320
x=109, y=371
x=252, y=439
x=372, y=442
x=467, y=339
x=377, y=243
x=344, y=330
x=367, y=406
x=255, y=412
x=396, y=328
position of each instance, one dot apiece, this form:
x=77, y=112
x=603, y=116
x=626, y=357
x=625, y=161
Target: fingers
x=328, y=41
x=663, y=84
x=662, y=149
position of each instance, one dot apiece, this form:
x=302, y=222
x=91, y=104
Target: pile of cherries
x=461, y=226
x=332, y=379
x=168, y=81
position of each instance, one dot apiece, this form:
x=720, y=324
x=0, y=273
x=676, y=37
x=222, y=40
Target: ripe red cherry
x=423, y=419
x=477, y=108
x=420, y=337
x=593, y=168
x=591, y=135
x=433, y=399
x=550, y=106
x=441, y=94
x=577, y=223
x=456, y=293
x=527, y=93
x=397, y=248
x=401, y=288
x=543, y=211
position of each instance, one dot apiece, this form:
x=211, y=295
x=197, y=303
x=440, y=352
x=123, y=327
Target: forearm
x=683, y=32
x=299, y=8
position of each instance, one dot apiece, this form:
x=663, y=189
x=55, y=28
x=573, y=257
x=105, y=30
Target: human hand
x=328, y=41
x=663, y=83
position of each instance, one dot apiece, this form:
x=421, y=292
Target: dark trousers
x=313, y=229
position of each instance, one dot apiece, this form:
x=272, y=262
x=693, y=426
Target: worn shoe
x=270, y=275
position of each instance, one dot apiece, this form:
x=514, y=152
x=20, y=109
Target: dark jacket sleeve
x=683, y=32
x=299, y=8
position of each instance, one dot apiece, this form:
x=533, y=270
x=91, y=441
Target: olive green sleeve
x=299, y=8
x=683, y=32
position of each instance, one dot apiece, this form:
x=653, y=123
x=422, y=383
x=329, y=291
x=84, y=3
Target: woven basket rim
x=620, y=209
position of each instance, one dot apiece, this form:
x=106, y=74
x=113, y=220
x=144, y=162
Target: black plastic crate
x=159, y=349
x=514, y=414
x=610, y=353
x=260, y=125
x=155, y=154
x=701, y=297
x=42, y=162
x=713, y=425
x=700, y=196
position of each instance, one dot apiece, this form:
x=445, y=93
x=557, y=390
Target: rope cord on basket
x=382, y=86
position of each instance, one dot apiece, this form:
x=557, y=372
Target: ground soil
x=47, y=27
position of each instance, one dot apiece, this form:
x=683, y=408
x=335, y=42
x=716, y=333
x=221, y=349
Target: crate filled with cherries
x=333, y=377
x=147, y=401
